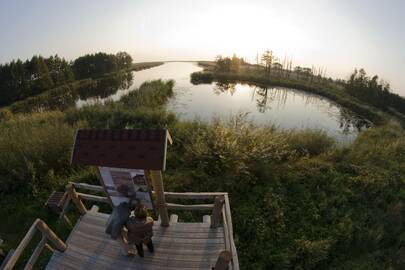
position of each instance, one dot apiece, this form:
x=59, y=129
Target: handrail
x=47, y=234
x=220, y=208
x=227, y=217
x=169, y=195
x=176, y=206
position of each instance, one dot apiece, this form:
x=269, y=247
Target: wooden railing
x=47, y=235
x=220, y=208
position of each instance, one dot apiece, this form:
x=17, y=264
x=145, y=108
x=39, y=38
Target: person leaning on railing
x=140, y=229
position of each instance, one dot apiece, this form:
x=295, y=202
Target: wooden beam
x=223, y=260
x=157, y=181
x=216, y=212
x=88, y=187
x=193, y=195
x=228, y=245
x=62, y=215
x=176, y=206
x=174, y=218
x=235, y=260
x=206, y=219
x=75, y=198
x=94, y=208
x=94, y=198
x=47, y=233
x=51, y=236
x=35, y=254
x=20, y=248
x=6, y=259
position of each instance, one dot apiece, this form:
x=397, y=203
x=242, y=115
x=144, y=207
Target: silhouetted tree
x=374, y=91
x=223, y=64
x=268, y=59
x=235, y=63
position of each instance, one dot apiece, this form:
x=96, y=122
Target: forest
x=22, y=79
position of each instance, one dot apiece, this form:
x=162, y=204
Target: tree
x=59, y=69
x=40, y=77
x=235, y=63
x=124, y=60
x=223, y=64
x=95, y=65
x=268, y=59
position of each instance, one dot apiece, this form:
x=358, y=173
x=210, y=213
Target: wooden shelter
x=178, y=245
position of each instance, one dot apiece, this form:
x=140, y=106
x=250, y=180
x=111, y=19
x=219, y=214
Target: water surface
x=284, y=107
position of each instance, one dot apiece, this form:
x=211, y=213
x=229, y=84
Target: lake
x=284, y=107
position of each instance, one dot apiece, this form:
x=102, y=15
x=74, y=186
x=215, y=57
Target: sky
x=338, y=35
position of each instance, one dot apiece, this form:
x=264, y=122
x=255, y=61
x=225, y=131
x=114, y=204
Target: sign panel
x=124, y=184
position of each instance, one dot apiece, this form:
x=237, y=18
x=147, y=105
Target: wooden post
x=217, y=211
x=75, y=198
x=223, y=260
x=35, y=254
x=20, y=248
x=49, y=234
x=157, y=182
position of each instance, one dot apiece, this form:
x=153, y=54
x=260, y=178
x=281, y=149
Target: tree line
x=374, y=91
x=272, y=66
x=368, y=89
x=21, y=79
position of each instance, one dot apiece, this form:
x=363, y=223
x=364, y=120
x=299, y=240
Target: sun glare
x=241, y=29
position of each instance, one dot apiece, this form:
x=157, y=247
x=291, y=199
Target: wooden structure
x=56, y=201
x=178, y=245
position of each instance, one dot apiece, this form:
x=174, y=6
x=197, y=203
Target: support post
x=217, y=211
x=157, y=182
x=223, y=260
x=75, y=198
x=35, y=254
x=49, y=234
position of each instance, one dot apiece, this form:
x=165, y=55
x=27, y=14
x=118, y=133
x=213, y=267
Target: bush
x=309, y=142
x=5, y=114
x=34, y=152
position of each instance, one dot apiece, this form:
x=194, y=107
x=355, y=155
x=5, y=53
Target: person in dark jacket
x=140, y=229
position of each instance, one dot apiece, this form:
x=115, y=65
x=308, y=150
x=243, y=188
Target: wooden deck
x=180, y=246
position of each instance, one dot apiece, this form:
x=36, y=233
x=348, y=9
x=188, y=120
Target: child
x=140, y=229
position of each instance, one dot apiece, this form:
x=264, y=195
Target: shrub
x=309, y=142
x=34, y=152
x=5, y=114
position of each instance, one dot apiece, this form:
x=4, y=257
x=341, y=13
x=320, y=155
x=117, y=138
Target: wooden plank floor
x=180, y=246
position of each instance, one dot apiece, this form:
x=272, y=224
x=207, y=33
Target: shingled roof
x=127, y=148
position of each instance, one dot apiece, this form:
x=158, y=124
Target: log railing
x=220, y=209
x=47, y=236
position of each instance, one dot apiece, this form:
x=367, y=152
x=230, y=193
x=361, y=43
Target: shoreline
x=370, y=113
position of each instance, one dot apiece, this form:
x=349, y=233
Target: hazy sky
x=339, y=35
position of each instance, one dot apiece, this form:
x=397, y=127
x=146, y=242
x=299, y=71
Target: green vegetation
x=65, y=96
x=144, y=65
x=95, y=65
x=62, y=90
x=360, y=94
x=20, y=80
x=298, y=200
x=373, y=92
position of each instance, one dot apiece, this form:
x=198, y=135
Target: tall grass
x=34, y=152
